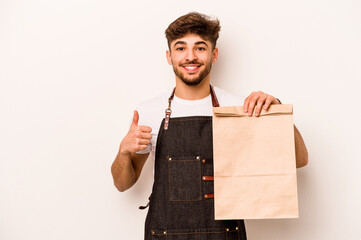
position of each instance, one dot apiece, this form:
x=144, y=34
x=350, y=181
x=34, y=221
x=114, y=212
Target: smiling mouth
x=191, y=67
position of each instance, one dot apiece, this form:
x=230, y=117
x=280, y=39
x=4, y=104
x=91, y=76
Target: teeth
x=191, y=68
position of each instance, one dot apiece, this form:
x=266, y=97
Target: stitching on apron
x=189, y=233
x=182, y=119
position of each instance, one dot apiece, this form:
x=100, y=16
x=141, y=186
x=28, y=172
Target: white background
x=72, y=71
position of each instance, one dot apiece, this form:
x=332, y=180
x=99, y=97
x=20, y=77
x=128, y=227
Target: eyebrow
x=201, y=42
x=197, y=43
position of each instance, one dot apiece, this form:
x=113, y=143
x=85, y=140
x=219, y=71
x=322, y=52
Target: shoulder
x=228, y=99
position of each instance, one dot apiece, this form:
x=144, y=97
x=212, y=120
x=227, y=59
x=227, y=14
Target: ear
x=215, y=55
x=169, y=57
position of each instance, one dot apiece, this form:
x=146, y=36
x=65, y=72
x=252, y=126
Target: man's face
x=192, y=58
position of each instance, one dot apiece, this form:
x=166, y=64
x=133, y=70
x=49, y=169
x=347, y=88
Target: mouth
x=191, y=68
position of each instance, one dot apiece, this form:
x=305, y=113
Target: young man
x=181, y=204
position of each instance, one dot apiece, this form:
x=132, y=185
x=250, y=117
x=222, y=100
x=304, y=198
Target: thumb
x=135, y=118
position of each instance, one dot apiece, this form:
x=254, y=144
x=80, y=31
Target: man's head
x=192, y=47
x=194, y=23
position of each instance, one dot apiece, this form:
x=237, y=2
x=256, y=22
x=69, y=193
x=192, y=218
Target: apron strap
x=168, y=111
x=214, y=97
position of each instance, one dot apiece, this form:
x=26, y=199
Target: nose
x=191, y=55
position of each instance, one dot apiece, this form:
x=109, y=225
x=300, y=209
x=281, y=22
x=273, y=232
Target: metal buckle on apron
x=168, y=111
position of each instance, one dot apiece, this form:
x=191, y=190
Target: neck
x=186, y=92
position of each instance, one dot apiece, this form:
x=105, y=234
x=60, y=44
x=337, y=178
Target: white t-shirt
x=152, y=112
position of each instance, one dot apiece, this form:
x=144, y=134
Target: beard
x=197, y=79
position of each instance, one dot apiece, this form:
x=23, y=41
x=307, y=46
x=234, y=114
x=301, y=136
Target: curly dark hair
x=195, y=23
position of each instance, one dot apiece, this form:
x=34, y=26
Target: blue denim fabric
x=178, y=209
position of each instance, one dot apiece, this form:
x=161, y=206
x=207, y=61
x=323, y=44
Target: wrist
x=124, y=158
x=124, y=152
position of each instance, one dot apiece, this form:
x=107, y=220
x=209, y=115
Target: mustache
x=191, y=62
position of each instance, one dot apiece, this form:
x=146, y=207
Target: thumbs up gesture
x=137, y=138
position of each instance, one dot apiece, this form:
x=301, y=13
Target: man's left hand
x=256, y=100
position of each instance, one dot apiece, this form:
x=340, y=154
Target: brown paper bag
x=254, y=163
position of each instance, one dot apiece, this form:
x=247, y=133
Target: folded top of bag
x=237, y=111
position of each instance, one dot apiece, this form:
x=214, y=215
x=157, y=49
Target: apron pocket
x=184, y=179
x=176, y=234
x=217, y=234
x=233, y=235
x=159, y=237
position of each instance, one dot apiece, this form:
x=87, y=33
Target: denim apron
x=182, y=202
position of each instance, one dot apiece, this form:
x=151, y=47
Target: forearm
x=123, y=172
x=301, y=150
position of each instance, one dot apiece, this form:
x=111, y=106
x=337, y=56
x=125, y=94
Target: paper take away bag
x=254, y=163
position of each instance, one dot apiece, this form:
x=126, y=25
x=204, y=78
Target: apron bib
x=182, y=205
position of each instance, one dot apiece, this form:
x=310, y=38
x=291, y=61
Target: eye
x=179, y=49
x=201, y=48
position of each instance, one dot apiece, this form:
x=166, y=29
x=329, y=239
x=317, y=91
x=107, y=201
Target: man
x=181, y=204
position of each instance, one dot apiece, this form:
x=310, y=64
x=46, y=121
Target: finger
x=260, y=102
x=145, y=135
x=143, y=142
x=144, y=129
x=252, y=104
x=135, y=118
x=276, y=101
x=141, y=147
x=268, y=102
x=246, y=102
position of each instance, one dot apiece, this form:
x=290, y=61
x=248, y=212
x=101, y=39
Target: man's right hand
x=137, y=138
